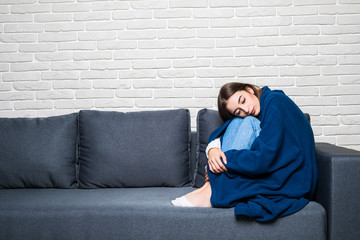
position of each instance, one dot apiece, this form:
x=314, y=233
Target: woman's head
x=239, y=100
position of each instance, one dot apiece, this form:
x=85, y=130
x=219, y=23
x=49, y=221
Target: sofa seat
x=138, y=213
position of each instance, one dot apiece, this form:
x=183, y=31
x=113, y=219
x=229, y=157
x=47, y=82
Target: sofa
x=112, y=175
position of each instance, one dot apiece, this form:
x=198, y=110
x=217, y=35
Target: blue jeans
x=240, y=133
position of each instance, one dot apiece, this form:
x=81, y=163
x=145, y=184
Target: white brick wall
x=60, y=56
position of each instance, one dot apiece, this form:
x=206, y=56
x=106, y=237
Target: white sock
x=182, y=202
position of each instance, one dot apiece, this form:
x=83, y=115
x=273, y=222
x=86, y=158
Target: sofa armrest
x=338, y=190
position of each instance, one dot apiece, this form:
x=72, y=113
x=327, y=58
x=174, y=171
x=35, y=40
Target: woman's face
x=244, y=103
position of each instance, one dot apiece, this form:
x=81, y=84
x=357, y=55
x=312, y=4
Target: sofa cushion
x=139, y=213
x=206, y=122
x=38, y=152
x=135, y=149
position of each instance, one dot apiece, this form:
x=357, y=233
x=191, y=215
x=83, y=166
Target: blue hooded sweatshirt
x=277, y=176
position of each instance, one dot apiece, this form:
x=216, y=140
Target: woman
x=269, y=172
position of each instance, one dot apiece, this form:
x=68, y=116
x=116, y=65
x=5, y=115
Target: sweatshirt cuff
x=213, y=144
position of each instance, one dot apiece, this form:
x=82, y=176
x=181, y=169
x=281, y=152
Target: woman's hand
x=214, y=160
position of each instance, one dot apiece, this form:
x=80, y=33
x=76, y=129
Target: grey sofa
x=111, y=175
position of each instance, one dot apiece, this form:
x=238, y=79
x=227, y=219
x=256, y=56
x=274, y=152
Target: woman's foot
x=198, y=198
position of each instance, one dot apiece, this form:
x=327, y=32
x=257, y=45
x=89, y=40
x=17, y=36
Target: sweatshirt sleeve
x=262, y=156
x=216, y=143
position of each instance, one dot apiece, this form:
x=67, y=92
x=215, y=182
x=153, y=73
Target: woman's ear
x=250, y=90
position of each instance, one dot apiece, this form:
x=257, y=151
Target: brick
x=176, y=33
x=18, y=38
x=4, y=9
x=198, y=103
x=276, y=41
x=33, y=105
x=314, y=20
x=174, y=54
x=254, y=51
x=312, y=111
x=173, y=13
x=97, y=36
x=271, y=21
x=339, y=9
x=270, y=3
x=32, y=86
x=193, y=23
x=348, y=20
x=348, y=140
x=161, y=4
x=349, y=60
x=4, y=67
x=151, y=64
x=229, y=23
x=206, y=93
x=349, y=79
x=274, y=61
x=275, y=82
x=296, y=51
x=57, y=37
x=61, y=27
x=13, y=96
x=316, y=81
x=300, y=30
x=92, y=94
x=105, y=25
x=193, y=83
x=30, y=8
x=93, y=55
x=341, y=70
x=74, y=104
x=5, y=86
x=258, y=32
x=316, y=61
x=258, y=72
x=216, y=33
x=16, y=18
x=351, y=39
x=53, y=17
x=331, y=140
x=190, y=43
x=134, y=54
x=228, y=3
x=216, y=73
x=59, y=94
x=339, y=30
x=318, y=40
x=191, y=63
x=98, y=74
x=111, y=84
x=183, y=73
x=131, y=15
x=64, y=66
x=71, y=84
x=173, y=93
x=230, y=43
x=232, y=62
x=15, y=57
x=114, y=103
x=21, y=76
x=146, y=24
x=213, y=13
x=106, y=6
x=313, y=2
x=301, y=92
x=134, y=93
x=214, y=53
x=137, y=74
x=6, y=106
x=23, y=28
x=92, y=16
x=137, y=34
x=71, y=7
x=297, y=11
x=316, y=101
x=299, y=71
x=158, y=103
x=156, y=44
x=109, y=65
x=63, y=75
x=350, y=120
x=40, y=47
x=77, y=46
x=327, y=121
x=256, y=12
x=55, y=56
x=27, y=67
x=188, y=4
x=349, y=100
x=150, y=83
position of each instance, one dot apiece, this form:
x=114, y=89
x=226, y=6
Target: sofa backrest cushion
x=207, y=121
x=134, y=149
x=38, y=152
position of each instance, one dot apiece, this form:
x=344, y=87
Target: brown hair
x=227, y=90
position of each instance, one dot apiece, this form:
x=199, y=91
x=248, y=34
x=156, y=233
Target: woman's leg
x=240, y=134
